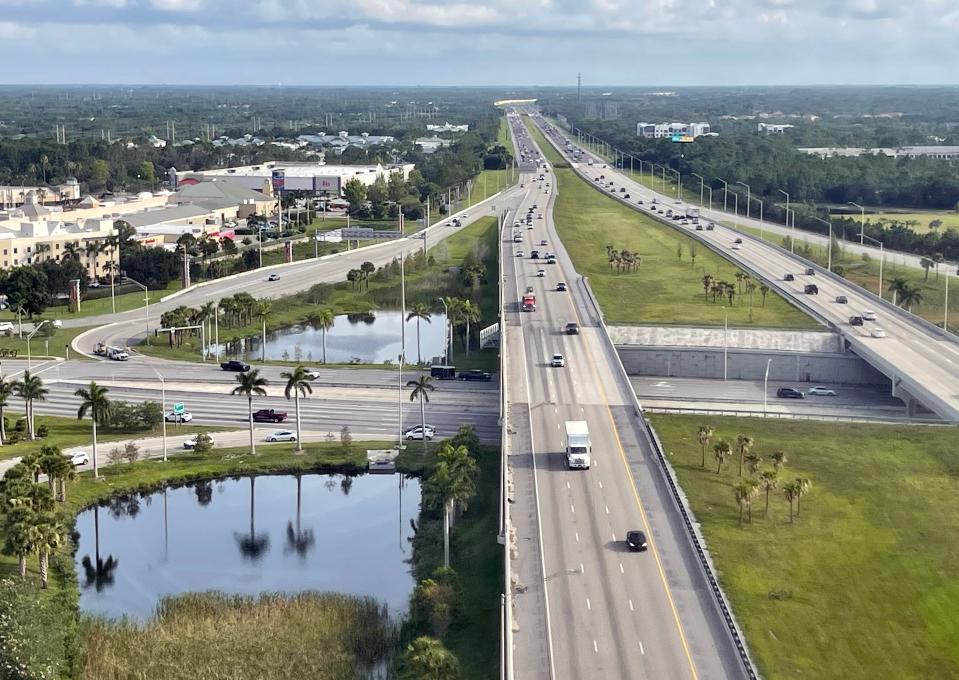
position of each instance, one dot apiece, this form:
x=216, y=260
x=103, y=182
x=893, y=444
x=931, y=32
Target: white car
x=868, y=315
x=541, y=273
x=558, y=361
x=190, y=443
x=821, y=391
x=312, y=373
x=519, y=253
x=877, y=333
x=184, y=417
x=77, y=458
x=281, y=436
x=737, y=246
x=6, y=326
x=273, y=277
x=416, y=432
x=93, y=284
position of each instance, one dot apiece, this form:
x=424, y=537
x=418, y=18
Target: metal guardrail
x=794, y=416
x=505, y=526
x=686, y=513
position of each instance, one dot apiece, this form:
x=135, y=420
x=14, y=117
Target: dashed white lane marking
x=641, y=649
x=577, y=536
x=600, y=485
x=582, y=569
x=607, y=509
x=572, y=509
x=595, y=647
x=621, y=570
x=588, y=606
x=631, y=608
x=567, y=485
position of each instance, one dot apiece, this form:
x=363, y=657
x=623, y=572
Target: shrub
x=43, y=431
x=131, y=452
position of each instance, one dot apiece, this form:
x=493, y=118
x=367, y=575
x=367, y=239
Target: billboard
x=685, y=139
x=279, y=180
x=329, y=184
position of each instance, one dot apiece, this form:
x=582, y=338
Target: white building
x=297, y=176
x=448, y=127
x=342, y=140
x=774, y=128
x=661, y=130
x=947, y=153
x=431, y=144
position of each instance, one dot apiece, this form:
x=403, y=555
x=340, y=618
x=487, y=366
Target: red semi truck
x=529, y=302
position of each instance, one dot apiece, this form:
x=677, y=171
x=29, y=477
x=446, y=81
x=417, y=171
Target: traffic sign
x=179, y=408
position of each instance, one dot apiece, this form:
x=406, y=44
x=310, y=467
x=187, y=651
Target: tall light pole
x=725, y=191
x=862, y=221
x=882, y=259
x=30, y=337
x=828, y=242
x=679, y=184
x=146, y=299
x=787, y=208
x=702, y=185
x=748, y=197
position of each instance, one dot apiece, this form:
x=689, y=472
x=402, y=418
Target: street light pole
x=702, y=184
x=30, y=337
x=792, y=240
x=146, y=299
x=828, y=242
x=882, y=259
x=862, y=221
x=725, y=191
x=748, y=197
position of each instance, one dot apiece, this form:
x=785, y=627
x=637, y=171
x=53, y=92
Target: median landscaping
x=645, y=272
x=851, y=572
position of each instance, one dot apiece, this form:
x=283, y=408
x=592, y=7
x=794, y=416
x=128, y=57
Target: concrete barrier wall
x=745, y=364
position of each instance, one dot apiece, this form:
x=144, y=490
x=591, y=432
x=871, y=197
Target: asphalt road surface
x=608, y=613
x=925, y=363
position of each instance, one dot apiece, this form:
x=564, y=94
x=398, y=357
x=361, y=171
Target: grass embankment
x=863, y=584
x=667, y=287
x=44, y=343
x=917, y=221
x=326, y=636
x=68, y=433
x=424, y=282
x=100, y=305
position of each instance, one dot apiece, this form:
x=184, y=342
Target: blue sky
x=492, y=42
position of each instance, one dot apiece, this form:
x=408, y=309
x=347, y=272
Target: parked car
x=820, y=391
x=841, y=299
x=855, y=321
x=869, y=315
x=281, y=436
x=93, y=284
x=475, y=374
x=184, y=417
x=572, y=328
x=636, y=541
x=558, y=361
x=190, y=443
x=416, y=432
x=789, y=393
x=561, y=286
x=877, y=333
x=77, y=458
x=269, y=415
x=234, y=365
x=273, y=277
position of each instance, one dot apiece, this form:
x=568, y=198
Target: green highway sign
x=179, y=408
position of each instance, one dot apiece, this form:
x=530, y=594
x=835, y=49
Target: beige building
x=42, y=240
x=12, y=196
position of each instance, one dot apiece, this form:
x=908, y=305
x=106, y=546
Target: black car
x=561, y=286
x=810, y=271
x=626, y=196
x=710, y=226
x=534, y=254
x=789, y=393
x=789, y=277
x=738, y=240
x=572, y=328
x=234, y=365
x=636, y=541
x=811, y=289
x=475, y=374
x=842, y=300
x=855, y=321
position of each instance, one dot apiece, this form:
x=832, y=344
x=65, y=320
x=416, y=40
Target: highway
x=369, y=401
x=584, y=606
x=921, y=361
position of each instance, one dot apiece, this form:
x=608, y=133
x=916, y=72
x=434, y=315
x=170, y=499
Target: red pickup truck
x=268, y=415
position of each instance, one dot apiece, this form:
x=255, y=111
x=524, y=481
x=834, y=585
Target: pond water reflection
x=249, y=535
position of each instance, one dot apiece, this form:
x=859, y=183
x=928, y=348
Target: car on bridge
x=855, y=321
x=789, y=393
x=788, y=277
x=811, y=289
x=636, y=541
x=842, y=299
x=572, y=328
x=877, y=333
x=558, y=361
x=868, y=315
x=561, y=286
x=810, y=271
x=820, y=391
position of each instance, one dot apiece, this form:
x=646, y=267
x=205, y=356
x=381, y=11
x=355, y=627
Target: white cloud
x=10, y=30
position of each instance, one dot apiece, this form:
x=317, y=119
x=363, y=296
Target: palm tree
x=764, y=290
x=742, y=493
x=250, y=383
x=768, y=481
x=909, y=295
x=49, y=537
x=324, y=320
x=802, y=488
x=422, y=387
x=263, y=310
x=779, y=460
x=94, y=400
x=708, y=285
x=298, y=384
x=470, y=312
x=897, y=286
x=790, y=493
x=6, y=390
x=704, y=434
x=721, y=451
x=753, y=462
x=428, y=659
x=452, y=483
x=419, y=311
x=30, y=388
x=743, y=444
x=21, y=535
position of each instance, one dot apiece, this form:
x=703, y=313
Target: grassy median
x=862, y=584
x=667, y=285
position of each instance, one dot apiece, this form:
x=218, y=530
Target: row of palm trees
x=905, y=293
x=759, y=479
x=624, y=260
x=30, y=388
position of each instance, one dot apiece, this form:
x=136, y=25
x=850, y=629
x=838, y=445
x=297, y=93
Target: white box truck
x=578, y=447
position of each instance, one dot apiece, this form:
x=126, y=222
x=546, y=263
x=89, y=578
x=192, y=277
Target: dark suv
x=811, y=289
x=636, y=541
x=855, y=321
x=572, y=328
x=475, y=375
x=789, y=393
